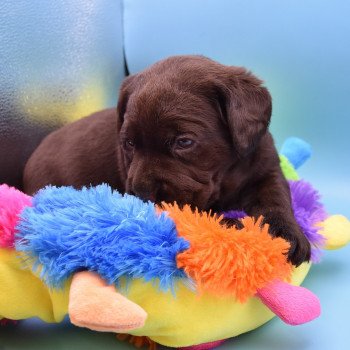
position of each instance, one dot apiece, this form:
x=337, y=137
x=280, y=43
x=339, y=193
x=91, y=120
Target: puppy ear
x=247, y=108
x=126, y=89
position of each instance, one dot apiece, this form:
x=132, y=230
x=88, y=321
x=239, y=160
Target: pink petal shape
x=292, y=304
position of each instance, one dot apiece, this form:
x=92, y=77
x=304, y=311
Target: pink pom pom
x=12, y=202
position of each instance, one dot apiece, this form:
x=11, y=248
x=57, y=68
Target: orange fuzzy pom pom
x=226, y=260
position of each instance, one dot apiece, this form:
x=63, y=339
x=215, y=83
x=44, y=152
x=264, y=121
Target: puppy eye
x=184, y=143
x=129, y=144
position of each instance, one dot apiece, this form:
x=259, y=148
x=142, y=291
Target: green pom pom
x=288, y=169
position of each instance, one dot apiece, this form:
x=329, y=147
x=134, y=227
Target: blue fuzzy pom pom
x=98, y=229
x=296, y=150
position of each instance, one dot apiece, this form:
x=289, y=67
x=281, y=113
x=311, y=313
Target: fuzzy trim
x=229, y=261
x=12, y=202
x=96, y=228
x=309, y=212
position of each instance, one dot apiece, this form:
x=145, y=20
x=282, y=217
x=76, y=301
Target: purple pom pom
x=308, y=211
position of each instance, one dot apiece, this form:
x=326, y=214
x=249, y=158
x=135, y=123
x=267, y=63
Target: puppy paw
x=300, y=248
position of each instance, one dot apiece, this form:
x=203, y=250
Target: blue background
x=301, y=49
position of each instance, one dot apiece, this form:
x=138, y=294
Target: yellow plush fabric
x=24, y=295
x=336, y=229
x=186, y=319
x=174, y=321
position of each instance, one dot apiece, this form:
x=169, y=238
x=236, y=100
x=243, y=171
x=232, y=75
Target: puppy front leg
x=270, y=197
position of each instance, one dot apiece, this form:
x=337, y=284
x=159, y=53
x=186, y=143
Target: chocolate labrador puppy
x=187, y=129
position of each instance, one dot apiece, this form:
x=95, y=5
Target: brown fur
x=142, y=147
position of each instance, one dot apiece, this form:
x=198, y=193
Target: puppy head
x=186, y=121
